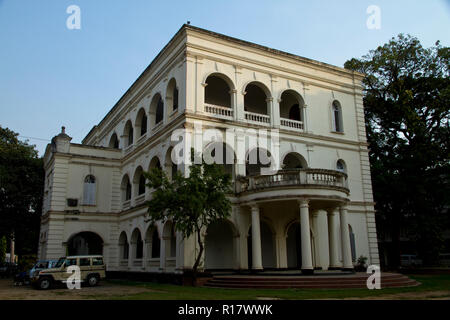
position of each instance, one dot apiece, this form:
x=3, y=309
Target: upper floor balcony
x=314, y=183
x=258, y=106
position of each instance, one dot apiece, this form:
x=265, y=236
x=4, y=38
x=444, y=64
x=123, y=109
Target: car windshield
x=60, y=262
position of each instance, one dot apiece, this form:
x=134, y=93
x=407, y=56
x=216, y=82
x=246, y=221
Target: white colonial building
x=317, y=212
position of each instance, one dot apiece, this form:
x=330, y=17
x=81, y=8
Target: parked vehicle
x=444, y=259
x=25, y=277
x=410, y=260
x=92, y=270
x=7, y=269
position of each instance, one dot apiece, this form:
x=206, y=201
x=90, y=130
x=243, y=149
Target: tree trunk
x=197, y=260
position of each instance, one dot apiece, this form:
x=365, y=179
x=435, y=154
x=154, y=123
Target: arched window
x=340, y=166
x=89, y=190
x=114, y=141
x=159, y=111
x=337, y=117
x=143, y=125
x=128, y=134
x=128, y=191
x=141, y=185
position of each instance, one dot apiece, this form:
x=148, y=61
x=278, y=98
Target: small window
x=85, y=262
x=89, y=190
x=340, y=166
x=143, y=125
x=97, y=261
x=71, y=262
x=337, y=117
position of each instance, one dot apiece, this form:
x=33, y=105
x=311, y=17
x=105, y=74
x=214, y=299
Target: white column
x=307, y=266
x=322, y=235
x=256, y=239
x=345, y=239
x=333, y=239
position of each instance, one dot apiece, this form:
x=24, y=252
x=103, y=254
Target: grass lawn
x=432, y=286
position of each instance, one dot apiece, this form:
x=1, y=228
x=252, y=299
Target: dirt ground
x=8, y=291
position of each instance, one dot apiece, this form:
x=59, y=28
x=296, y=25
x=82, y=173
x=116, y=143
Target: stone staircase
x=345, y=281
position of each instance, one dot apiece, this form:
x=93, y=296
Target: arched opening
x=256, y=98
x=154, y=163
x=293, y=160
x=291, y=105
x=156, y=110
x=294, y=246
x=257, y=159
x=222, y=154
x=141, y=123
x=218, y=91
x=114, y=141
x=89, y=190
x=128, y=134
x=170, y=239
x=267, y=246
x=137, y=245
x=153, y=243
x=219, y=248
x=124, y=247
x=172, y=95
x=125, y=187
x=337, y=117
x=139, y=181
x=85, y=243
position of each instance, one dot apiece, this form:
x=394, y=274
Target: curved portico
x=316, y=199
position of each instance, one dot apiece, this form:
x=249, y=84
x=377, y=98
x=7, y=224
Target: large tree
x=406, y=101
x=192, y=203
x=21, y=191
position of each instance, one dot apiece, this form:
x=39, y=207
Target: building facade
x=314, y=211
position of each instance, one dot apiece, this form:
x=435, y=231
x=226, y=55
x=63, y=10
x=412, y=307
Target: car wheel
x=45, y=283
x=92, y=280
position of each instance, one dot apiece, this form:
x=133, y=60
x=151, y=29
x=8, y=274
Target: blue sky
x=52, y=76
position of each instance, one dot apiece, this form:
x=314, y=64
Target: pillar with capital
x=256, y=239
x=345, y=239
x=307, y=266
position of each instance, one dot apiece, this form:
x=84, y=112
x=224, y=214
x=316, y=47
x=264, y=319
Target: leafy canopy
x=406, y=101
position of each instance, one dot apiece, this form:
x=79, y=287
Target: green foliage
x=193, y=202
x=21, y=191
x=406, y=100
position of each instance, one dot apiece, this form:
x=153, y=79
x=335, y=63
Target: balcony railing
x=126, y=204
x=292, y=124
x=219, y=111
x=296, y=177
x=123, y=262
x=257, y=117
x=153, y=263
x=139, y=199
